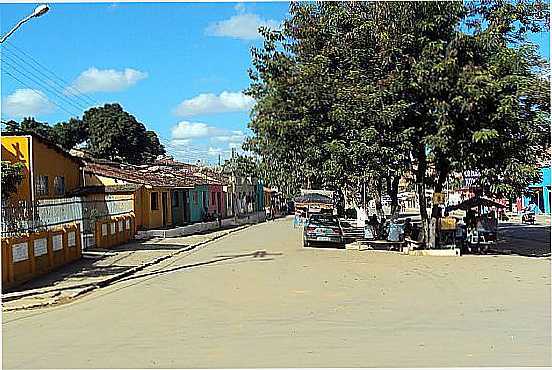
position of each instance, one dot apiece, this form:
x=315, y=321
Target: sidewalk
x=100, y=267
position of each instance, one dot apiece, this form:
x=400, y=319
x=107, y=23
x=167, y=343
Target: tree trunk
x=420, y=189
x=377, y=189
x=393, y=191
x=435, y=209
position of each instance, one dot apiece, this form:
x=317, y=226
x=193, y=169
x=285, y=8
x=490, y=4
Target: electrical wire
x=25, y=85
x=34, y=79
x=43, y=68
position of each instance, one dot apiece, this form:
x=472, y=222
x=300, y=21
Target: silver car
x=323, y=229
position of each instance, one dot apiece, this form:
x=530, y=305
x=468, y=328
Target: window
x=42, y=185
x=195, y=197
x=154, y=201
x=204, y=199
x=175, y=200
x=213, y=199
x=59, y=185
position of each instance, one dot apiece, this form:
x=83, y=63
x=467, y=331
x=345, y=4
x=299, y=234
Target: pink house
x=216, y=202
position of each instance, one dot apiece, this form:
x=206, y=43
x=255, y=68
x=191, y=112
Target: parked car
x=323, y=229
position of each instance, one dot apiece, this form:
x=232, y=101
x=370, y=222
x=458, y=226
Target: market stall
x=480, y=223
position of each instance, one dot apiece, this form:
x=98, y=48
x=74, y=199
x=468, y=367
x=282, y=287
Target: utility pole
x=234, y=186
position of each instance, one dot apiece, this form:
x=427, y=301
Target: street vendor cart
x=314, y=203
x=481, y=227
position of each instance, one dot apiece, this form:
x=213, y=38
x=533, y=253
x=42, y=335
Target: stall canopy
x=475, y=202
x=314, y=198
x=314, y=202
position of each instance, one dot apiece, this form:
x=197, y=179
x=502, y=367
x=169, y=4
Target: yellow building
x=49, y=172
x=152, y=200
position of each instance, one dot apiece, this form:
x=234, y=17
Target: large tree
x=107, y=132
x=349, y=92
x=116, y=135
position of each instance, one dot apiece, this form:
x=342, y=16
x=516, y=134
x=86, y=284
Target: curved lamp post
x=39, y=10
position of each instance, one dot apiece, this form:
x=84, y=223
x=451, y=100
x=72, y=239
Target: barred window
x=59, y=185
x=41, y=185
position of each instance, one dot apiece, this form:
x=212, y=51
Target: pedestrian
x=373, y=224
x=407, y=228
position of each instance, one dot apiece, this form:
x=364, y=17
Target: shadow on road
x=78, y=271
x=524, y=240
x=256, y=256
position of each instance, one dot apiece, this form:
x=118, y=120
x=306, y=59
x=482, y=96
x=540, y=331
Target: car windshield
x=324, y=220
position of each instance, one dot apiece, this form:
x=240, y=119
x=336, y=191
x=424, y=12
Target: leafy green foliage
x=241, y=165
x=364, y=91
x=108, y=132
x=12, y=175
x=116, y=135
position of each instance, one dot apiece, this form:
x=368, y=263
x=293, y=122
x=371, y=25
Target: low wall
x=114, y=231
x=206, y=226
x=27, y=256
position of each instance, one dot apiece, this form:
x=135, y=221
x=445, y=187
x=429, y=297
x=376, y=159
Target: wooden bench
x=413, y=244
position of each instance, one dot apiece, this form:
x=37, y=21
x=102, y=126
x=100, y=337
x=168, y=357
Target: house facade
x=540, y=194
x=153, y=200
x=49, y=171
x=199, y=196
x=217, y=201
x=180, y=206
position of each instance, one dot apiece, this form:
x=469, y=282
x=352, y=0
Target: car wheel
x=306, y=244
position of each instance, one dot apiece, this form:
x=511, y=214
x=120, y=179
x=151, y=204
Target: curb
x=103, y=283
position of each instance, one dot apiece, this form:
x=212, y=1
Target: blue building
x=539, y=194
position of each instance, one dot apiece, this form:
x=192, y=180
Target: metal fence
x=24, y=217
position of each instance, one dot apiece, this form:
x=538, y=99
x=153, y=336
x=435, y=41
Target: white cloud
x=232, y=136
x=211, y=103
x=27, y=102
x=180, y=142
x=234, y=145
x=215, y=151
x=95, y=80
x=185, y=131
x=244, y=26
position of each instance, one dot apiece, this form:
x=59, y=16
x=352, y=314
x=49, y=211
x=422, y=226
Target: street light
x=39, y=11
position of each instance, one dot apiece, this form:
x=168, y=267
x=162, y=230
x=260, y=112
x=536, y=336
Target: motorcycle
x=528, y=218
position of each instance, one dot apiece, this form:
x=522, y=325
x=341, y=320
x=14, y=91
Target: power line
x=43, y=67
x=40, y=76
x=25, y=85
x=36, y=81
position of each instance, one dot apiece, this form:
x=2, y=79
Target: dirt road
x=258, y=299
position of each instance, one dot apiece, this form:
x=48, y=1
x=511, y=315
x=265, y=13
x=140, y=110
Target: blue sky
x=178, y=67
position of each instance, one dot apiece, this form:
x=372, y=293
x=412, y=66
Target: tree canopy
x=365, y=91
x=108, y=132
x=12, y=175
x=116, y=134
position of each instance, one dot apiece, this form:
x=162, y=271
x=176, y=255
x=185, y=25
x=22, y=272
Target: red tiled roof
x=135, y=174
x=158, y=175
x=203, y=174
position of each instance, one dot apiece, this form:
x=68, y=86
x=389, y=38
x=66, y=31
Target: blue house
x=539, y=194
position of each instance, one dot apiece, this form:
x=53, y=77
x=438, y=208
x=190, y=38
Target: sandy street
x=258, y=299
